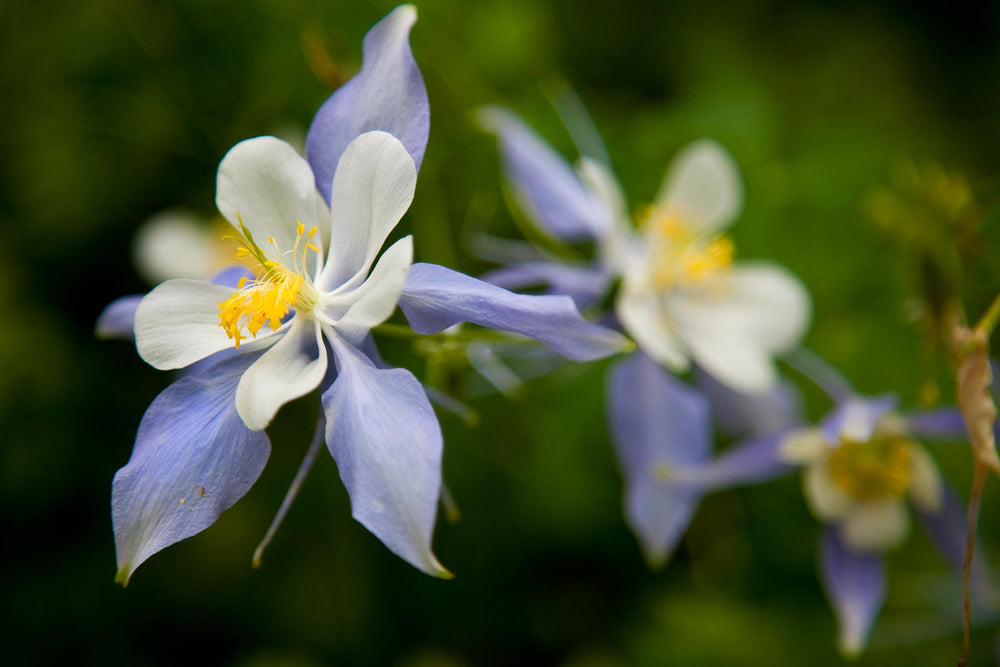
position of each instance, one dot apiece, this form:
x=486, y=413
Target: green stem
x=461, y=336
x=293, y=490
x=989, y=319
x=972, y=521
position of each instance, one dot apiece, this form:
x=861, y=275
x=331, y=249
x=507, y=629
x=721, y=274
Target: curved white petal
x=267, y=184
x=857, y=418
x=372, y=188
x=803, y=446
x=173, y=244
x=293, y=367
x=826, y=500
x=643, y=318
x=926, y=487
x=876, y=526
x=602, y=184
x=178, y=323
x=373, y=302
x=761, y=309
x=703, y=186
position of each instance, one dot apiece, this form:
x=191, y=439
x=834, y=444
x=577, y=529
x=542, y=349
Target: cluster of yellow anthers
x=276, y=289
x=873, y=470
x=684, y=257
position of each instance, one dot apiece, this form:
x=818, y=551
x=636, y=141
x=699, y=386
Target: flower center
x=277, y=288
x=683, y=257
x=873, y=470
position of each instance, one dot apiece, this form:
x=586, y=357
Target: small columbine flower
x=313, y=229
x=683, y=294
x=859, y=471
x=861, y=467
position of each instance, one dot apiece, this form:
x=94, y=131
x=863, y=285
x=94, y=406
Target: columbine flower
x=314, y=228
x=861, y=467
x=683, y=296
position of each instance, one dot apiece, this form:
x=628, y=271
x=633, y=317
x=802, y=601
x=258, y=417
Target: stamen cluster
x=877, y=469
x=277, y=289
x=682, y=256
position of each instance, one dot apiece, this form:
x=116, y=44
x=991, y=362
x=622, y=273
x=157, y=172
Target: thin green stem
x=988, y=321
x=293, y=490
x=817, y=370
x=476, y=334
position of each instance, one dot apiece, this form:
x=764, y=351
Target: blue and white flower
x=862, y=468
x=682, y=296
x=315, y=227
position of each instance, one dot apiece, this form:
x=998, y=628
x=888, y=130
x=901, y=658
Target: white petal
x=612, y=242
x=292, y=368
x=859, y=418
x=372, y=188
x=641, y=314
x=826, y=500
x=373, y=302
x=876, y=526
x=703, y=186
x=173, y=244
x=926, y=488
x=803, y=446
x=761, y=309
x=267, y=184
x=178, y=323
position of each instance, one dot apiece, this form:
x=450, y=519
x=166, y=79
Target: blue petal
x=855, y=585
x=193, y=459
x=656, y=422
x=584, y=284
x=858, y=415
x=750, y=462
x=117, y=320
x=436, y=298
x=945, y=424
x=386, y=440
x=544, y=182
x=387, y=94
x=948, y=530
x=231, y=276
x=748, y=415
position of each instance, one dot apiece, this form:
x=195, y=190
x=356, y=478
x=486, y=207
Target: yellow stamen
x=276, y=291
x=877, y=469
x=684, y=257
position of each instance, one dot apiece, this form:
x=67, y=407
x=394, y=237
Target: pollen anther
x=275, y=291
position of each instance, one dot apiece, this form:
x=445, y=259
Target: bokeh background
x=112, y=110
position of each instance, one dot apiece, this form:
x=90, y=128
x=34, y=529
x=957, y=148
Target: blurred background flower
x=115, y=110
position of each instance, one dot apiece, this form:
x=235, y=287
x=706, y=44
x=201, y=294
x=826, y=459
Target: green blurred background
x=113, y=110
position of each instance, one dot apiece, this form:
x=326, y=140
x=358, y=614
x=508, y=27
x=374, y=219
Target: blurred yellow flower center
x=877, y=469
x=683, y=256
x=277, y=289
